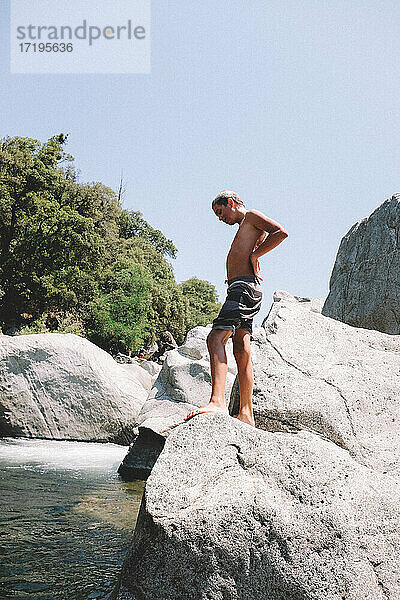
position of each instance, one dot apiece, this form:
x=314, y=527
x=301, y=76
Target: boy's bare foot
x=246, y=418
x=211, y=407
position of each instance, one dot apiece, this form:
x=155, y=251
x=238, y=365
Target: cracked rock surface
x=365, y=281
x=232, y=512
x=317, y=374
x=63, y=387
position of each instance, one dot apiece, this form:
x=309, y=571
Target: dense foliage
x=203, y=301
x=72, y=259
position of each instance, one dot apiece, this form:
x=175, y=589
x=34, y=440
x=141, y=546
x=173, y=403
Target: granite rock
x=232, y=512
x=61, y=386
x=183, y=384
x=365, y=281
x=142, y=375
x=314, y=373
x=151, y=367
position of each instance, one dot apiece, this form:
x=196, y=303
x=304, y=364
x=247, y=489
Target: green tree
x=137, y=300
x=117, y=317
x=50, y=249
x=202, y=300
x=132, y=224
x=168, y=309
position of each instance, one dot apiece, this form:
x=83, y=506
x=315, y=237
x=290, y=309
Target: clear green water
x=65, y=519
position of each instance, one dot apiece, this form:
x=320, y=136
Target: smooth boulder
x=365, y=281
x=142, y=375
x=61, y=386
x=231, y=512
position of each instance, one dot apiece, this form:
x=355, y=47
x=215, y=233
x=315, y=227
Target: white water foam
x=51, y=455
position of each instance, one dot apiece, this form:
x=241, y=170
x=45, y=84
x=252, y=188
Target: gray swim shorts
x=243, y=301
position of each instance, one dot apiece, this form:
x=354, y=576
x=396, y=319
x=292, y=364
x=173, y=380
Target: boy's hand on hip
x=256, y=266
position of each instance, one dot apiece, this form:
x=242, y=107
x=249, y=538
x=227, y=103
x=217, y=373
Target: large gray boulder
x=365, y=281
x=142, y=375
x=318, y=374
x=183, y=384
x=151, y=367
x=61, y=386
x=231, y=512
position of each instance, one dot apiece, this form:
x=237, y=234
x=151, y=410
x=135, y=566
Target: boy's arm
x=260, y=240
x=276, y=235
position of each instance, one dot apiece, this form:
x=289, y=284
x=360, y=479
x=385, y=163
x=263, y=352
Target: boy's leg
x=241, y=351
x=216, y=341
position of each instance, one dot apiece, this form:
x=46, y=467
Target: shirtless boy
x=242, y=303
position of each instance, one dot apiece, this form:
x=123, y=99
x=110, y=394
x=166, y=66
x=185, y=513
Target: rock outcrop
x=61, y=386
x=310, y=372
x=318, y=374
x=142, y=455
x=237, y=513
x=183, y=384
x=365, y=281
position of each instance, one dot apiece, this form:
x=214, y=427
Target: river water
x=66, y=519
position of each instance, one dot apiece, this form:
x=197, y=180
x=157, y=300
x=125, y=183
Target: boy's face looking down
x=228, y=214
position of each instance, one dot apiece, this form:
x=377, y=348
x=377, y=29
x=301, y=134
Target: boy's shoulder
x=260, y=221
x=253, y=216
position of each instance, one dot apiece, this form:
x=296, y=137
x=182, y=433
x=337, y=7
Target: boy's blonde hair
x=222, y=198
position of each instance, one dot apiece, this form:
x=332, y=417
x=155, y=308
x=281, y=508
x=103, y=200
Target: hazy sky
x=292, y=104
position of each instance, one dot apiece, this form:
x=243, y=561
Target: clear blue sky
x=294, y=105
